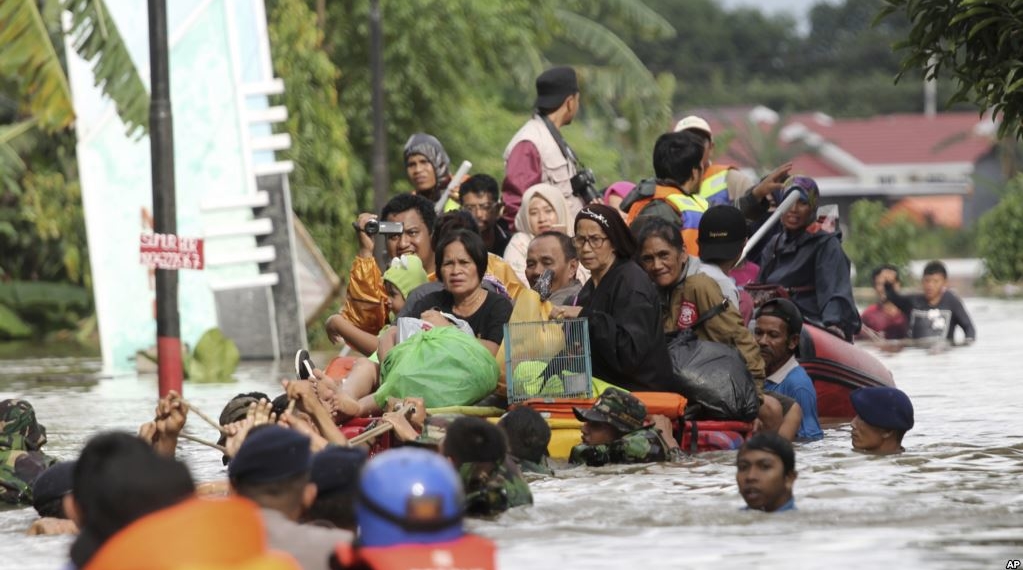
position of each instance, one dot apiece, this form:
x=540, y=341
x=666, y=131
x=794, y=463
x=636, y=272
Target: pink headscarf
x=620, y=188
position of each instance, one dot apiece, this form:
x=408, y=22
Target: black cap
x=722, y=233
x=270, y=453
x=554, y=86
x=336, y=469
x=53, y=483
x=785, y=310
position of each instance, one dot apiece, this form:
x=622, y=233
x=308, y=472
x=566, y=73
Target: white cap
x=693, y=122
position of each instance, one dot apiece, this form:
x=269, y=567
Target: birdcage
x=548, y=359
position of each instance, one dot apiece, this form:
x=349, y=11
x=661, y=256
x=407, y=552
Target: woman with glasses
x=627, y=342
x=543, y=209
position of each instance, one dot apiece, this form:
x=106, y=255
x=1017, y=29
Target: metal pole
x=161, y=145
x=376, y=62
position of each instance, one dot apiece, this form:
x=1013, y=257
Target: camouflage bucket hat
x=18, y=426
x=434, y=430
x=616, y=407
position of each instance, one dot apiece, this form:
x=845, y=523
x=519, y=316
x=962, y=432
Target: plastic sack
x=443, y=365
x=714, y=376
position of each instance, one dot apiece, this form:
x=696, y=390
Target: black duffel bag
x=713, y=376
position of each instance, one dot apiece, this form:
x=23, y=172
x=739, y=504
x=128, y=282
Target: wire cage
x=548, y=359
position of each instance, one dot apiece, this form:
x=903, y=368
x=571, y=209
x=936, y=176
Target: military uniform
x=491, y=489
x=642, y=446
x=638, y=444
x=532, y=467
x=21, y=461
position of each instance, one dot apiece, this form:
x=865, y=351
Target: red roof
x=886, y=139
x=899, y=139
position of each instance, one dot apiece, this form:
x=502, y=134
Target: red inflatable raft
x=837, y=368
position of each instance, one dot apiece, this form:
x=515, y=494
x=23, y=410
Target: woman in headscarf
x=809, y=264
x=543, y=209
x=627, y=343
x=427, y=166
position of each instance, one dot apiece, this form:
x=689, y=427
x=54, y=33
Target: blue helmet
x=409, y=496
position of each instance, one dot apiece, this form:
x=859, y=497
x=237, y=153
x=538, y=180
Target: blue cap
x=336, y=469
x=409, y=496
x=883, y=407
x=270, y=453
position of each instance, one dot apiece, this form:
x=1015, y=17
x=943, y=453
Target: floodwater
x=953, y=500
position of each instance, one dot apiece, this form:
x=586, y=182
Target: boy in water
x=935, y=313
x=765, y=471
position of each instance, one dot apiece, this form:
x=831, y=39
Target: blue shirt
x=793, y=381
x=789, y=506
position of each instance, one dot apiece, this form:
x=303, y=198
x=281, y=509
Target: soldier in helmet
x=614, y=432
x=410, y=509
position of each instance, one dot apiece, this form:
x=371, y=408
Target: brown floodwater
x=953, y=500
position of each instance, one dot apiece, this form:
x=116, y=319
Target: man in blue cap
x=883, y=416
x=272, y=469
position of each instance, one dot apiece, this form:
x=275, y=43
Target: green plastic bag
x=443, y=365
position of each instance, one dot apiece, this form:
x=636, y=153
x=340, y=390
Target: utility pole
x=161, y=145
x=376, y=62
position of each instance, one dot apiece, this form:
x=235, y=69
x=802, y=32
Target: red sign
x=168, y=251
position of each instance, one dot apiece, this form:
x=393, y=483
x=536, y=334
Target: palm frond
x=592, y=37
x=635, y=13
x=95, y=37
x=27, y=52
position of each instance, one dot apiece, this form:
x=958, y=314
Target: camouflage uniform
x=532, y=467
x=491, y=489
x=626, y=413
x=20, y=459
x=642, y=446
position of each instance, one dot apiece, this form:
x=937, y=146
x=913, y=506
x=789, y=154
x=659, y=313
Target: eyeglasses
x=473, y=208
x=595, y=241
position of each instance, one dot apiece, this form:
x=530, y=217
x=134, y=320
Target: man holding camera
x=406, y=222
x=538, y=153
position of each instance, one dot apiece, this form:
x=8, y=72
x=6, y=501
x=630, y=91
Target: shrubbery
x=878, y=236
x=1000, y=235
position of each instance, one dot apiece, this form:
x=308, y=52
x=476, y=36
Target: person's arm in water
x=522, y=170
x=307, y=401
x=162, y=432
x=961, y=318
x=903, y=302
x=672, y=451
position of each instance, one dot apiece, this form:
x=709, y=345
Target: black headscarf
x=622, y=240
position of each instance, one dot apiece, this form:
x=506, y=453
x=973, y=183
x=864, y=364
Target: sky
x=798, y=8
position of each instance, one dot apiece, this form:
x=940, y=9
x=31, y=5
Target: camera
x=375, y=226
x=584, y=185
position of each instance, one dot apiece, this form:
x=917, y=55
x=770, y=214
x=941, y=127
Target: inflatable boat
x=837, y=368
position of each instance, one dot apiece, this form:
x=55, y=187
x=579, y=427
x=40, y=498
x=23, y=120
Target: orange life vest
x=690, y=209
x=469, y=552
x=197, y=533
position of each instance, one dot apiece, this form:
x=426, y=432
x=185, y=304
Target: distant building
x=943, y=169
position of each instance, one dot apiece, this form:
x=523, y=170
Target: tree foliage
x=976, y=42
x=326, y=177
x=1000, y=235
x=877, y=237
